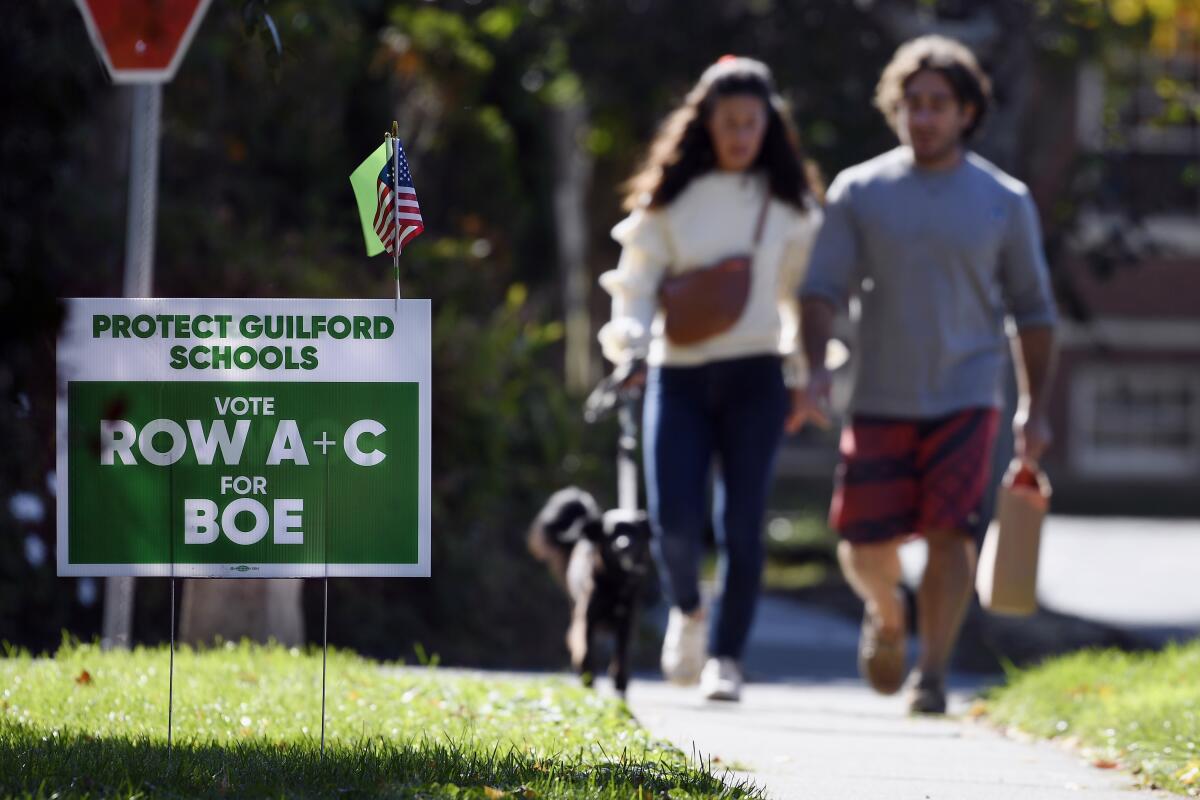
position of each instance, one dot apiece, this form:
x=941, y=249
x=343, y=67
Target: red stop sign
x=142, y=41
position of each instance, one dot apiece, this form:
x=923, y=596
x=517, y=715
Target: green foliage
x=801, y=551
x=51, y=92
x=1140, y=710
x=247, y=724
x=1099, y=24
x=446, y=38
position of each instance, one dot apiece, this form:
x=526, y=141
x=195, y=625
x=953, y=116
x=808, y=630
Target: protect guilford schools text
x=247, y=328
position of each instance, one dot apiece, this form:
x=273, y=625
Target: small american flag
x=409, y=212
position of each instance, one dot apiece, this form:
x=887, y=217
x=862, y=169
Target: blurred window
x=1141, y=421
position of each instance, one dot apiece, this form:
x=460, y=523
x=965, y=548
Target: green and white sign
x=244, y=438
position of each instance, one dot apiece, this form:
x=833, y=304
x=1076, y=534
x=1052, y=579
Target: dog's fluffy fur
x=603, y=563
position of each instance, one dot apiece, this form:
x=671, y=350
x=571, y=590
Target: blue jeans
x=734, y=411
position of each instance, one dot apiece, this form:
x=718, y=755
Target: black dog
x=603, y=562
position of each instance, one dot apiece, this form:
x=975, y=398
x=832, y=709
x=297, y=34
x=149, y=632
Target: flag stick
x=396, y=205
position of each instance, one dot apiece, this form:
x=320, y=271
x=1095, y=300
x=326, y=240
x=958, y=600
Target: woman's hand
x=810, y=403
x=636, y=378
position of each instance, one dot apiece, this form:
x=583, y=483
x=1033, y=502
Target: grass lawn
x=87, y=723
x=1139, y=711
x=801, y=552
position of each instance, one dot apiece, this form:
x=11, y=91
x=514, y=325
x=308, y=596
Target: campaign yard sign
x=244, y=438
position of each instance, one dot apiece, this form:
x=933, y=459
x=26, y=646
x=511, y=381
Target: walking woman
x=722, y=219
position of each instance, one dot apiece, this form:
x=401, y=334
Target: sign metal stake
x=171, y=674
x=324, y=657
x=325, y=612
x=171, y=551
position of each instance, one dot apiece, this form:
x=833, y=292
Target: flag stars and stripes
x=397, y=201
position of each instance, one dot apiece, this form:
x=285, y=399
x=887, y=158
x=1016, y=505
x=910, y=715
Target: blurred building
x=1127, y=399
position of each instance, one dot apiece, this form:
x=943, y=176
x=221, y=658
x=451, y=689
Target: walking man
x=938, y=246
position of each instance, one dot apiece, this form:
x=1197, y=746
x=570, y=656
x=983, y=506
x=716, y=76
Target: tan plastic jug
x=1006, y=578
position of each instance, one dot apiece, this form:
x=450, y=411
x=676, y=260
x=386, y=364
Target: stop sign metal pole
x=143, y=189
x=140, y=42
x=138, y=282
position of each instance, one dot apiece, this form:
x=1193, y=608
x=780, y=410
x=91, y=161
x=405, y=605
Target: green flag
x=365, y=181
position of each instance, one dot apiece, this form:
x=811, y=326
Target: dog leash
x=627, y=468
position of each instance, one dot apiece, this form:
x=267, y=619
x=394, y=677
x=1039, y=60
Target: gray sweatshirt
x=936, y=260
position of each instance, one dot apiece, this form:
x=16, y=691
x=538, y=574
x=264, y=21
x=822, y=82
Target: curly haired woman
x=724, y=175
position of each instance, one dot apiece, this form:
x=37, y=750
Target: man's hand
x=1031, y=435
x=811, y=403
x=1033, y=357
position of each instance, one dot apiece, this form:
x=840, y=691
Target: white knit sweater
x=713, y=218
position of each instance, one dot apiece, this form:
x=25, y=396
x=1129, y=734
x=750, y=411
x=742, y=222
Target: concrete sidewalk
x=825, y=735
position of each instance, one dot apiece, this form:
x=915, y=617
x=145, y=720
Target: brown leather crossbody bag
x=701, y=303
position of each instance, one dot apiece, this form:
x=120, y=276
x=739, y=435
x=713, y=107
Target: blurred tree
x=1113, y=73
x=52, y=154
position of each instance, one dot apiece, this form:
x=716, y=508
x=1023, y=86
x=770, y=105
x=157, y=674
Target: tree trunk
x=234, y=608
x=572, y=179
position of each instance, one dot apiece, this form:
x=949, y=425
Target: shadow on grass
x=43, y=764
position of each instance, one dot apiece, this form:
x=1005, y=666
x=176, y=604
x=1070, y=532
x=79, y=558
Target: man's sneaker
x=927, y=694
x=881, y=660
x=684, y=646
x=721, y=680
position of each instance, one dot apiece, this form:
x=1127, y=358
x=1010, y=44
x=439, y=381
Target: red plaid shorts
x=900, y=477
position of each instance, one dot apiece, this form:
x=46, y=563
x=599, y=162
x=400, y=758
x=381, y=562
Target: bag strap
x=759, y=225
x=762, y=218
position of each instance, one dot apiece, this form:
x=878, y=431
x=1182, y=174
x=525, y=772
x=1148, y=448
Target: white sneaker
x=721, y=680
x=683, y=647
